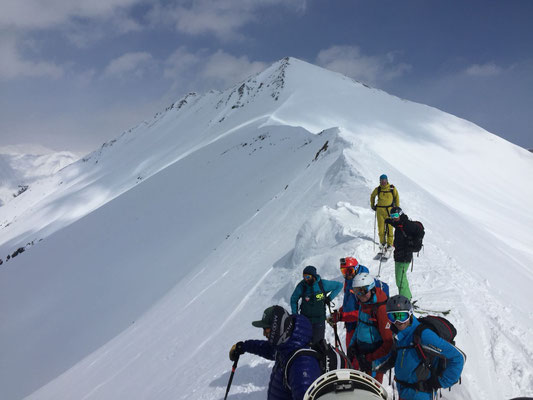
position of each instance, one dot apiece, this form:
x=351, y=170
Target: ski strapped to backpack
x=329, y=359
x=432, y=362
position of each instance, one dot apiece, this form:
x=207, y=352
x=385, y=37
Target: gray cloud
x=14, y=65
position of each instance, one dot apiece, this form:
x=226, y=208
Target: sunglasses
x=395, y=215
x=308, y=277
x=399, y=316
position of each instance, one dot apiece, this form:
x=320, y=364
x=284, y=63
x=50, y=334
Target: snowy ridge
x=138, y=279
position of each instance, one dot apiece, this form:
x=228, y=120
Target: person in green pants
x=405, y=231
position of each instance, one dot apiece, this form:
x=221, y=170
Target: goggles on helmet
x=347, y=271
x=362, y=290
x=308, y=277
x=395, y=215
x=399, y=316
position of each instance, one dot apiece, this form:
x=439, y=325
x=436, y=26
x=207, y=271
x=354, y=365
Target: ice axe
x=337, y=339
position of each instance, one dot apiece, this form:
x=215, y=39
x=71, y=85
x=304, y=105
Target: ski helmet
x=349, y=262
x=364, y=280
x=399, y=303
x=345, y=384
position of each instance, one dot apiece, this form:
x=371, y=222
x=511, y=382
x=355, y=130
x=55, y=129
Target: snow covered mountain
x=20, y=169
x=146, y=260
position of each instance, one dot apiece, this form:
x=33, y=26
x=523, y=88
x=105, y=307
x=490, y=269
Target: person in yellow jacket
x=387, y=197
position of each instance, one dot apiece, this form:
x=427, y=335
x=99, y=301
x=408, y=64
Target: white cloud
x=129, y=64
x=222, y=18
x=484, y=70
x=349, y=60
x=202, y=70
x=13, y=65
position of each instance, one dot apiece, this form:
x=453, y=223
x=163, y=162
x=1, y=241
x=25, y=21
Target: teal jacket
x=313, y=304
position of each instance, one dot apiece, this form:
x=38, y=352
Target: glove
x=336, y=316
x=389, y=221
x=236, y=350
x=431, y=384
x=374, y=208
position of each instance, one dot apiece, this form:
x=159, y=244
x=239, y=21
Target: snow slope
x=160, y=248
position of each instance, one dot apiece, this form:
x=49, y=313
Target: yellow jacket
x=387, y=196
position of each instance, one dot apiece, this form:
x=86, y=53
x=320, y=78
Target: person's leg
x=390, y=235
x=401, y=278
x=319, y=330
x=381, y=214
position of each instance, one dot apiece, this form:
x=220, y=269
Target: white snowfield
x=159, y=249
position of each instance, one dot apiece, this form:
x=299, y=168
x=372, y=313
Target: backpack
x=391, y=191
x=415, y=241
x=432, y=362
x=329, y=358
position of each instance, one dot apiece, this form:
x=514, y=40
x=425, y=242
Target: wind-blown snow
x=161, y=247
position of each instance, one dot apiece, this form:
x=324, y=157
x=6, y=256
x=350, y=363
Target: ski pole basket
x=345, y=384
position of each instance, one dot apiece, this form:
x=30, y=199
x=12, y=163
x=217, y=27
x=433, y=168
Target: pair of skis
x=421, y=310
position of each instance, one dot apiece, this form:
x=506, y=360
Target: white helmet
x=364, y=280
x=346, y=384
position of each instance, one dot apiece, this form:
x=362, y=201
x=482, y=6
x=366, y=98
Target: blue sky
x=75, y=73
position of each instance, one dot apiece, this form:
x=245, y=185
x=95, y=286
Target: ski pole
x=375, y=218
x=233, y=368
x=337, y=339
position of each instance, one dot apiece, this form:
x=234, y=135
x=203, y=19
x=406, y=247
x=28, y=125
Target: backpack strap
x=298, y=353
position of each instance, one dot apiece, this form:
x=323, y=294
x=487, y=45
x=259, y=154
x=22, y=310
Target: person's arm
x=295, y=297
x=333, y=288
x=396, y=196
x=373, y=198
x=260, y=348
x=455, y=359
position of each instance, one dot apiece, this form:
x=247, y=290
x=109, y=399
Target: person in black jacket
x=404, y=233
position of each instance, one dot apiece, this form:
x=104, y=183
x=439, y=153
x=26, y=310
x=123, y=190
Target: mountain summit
x=148, y=258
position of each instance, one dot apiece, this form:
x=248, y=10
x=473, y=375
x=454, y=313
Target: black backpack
x=329, y=359
x=415, y=241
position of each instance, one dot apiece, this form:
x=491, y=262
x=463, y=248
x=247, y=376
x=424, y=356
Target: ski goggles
x=399, y=316
x=361, y=290
x=395, y=215
x=308, y=277
x=347, y=271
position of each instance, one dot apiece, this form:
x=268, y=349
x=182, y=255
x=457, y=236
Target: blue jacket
x=350, y=303
x=315, y=296
x=407, y=360
x=304, y=369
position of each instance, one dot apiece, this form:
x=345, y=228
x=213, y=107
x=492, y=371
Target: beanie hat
x=310, y=270
x=383, y=177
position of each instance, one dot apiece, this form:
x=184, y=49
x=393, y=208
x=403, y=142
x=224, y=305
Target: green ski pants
x=401, y=278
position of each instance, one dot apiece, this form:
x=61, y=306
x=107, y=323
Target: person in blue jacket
x=315, y=293
x=285, y=334
x=408, y=367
